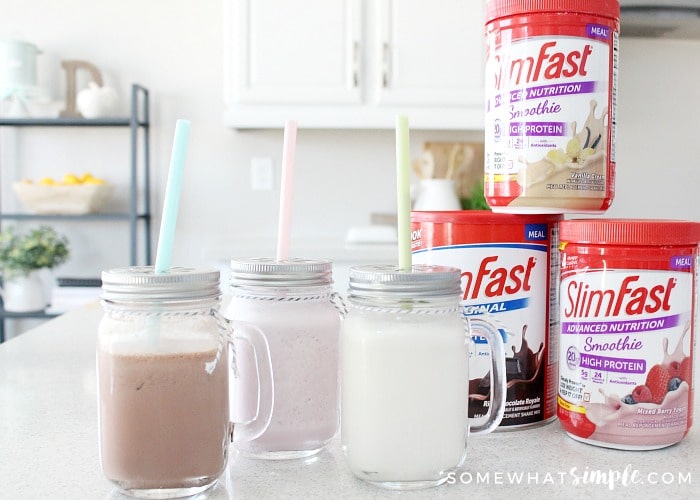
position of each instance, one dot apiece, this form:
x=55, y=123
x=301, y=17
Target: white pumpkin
x=96, y=101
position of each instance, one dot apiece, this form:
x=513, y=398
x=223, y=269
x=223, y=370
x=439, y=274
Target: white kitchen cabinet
x=296, y=52
x=431, y=52
x=354, y=63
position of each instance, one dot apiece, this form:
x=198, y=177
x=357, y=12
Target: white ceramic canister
x=17, y=67
x=292, y=303
x=405, y=373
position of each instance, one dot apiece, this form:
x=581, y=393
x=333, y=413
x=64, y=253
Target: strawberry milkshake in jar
x=292, y=302
x=628, y=300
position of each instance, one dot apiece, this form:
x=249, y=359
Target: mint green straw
x=403, y=193
x=172, y=197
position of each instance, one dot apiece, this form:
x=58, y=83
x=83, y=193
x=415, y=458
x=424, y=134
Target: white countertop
x=48, y=443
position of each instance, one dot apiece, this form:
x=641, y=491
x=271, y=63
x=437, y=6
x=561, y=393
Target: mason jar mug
x=293, y=303
x=163, y=376
x=405, y=376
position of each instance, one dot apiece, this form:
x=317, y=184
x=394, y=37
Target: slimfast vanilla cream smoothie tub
x=551, y=81
x=628, y=299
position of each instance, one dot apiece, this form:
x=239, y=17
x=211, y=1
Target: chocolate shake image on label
x=551, y=80
x=509, y=276
x=524, y=375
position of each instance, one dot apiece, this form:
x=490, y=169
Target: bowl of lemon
x=71, y=195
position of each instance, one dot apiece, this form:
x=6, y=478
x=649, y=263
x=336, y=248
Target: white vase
x=25, y=293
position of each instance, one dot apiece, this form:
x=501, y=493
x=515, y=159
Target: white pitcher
x=436, y=194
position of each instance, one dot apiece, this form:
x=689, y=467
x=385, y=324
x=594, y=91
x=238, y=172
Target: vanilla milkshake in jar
x=293, y=304
x=551, y=83
x=405, y=371
x=628, y=299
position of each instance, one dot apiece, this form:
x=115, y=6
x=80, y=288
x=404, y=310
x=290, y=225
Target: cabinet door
x=430, y=52
x=294, y=51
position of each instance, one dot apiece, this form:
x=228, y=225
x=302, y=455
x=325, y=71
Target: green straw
x=172, y=197
x=403, y=193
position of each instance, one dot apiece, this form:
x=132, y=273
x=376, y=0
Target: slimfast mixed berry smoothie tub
x=628, y=299
x=551, y=83
x=510, y=273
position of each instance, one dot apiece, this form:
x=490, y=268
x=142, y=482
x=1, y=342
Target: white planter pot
x=25, y=293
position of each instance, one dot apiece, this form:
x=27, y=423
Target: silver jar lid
x=375, y=281
x=142, y=284
x=269, y=272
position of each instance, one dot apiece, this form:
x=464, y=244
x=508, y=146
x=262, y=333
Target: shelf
x=138, y=126
x=139, y=116
x=26, y=315
x=69, y=122
x=98, y=216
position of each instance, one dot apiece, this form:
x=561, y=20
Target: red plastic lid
x=481, y=217
x=632, y=232
x=503, y=8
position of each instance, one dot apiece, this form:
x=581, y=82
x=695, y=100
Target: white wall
x=175, y=49
x=658, y=172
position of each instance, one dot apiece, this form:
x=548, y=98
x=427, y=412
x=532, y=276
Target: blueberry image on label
x=674, y=383
x=629, y=400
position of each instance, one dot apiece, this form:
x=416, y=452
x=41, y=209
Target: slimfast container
x=628, y=316
x=509, y=266
x=551, y=83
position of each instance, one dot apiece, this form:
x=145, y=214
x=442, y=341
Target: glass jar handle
x=257, y=424
x=494, y=414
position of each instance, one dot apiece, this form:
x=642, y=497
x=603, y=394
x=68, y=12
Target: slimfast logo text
x=494, y=279
x=550, y=64
x=630, y=298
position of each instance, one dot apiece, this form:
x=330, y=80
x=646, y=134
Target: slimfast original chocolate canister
x=628, y=300
x=509, y=266
x=551, y=83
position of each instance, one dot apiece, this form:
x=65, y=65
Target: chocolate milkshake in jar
x=551, y=84
x=163, y=377
x=293, y=303
x=628, y=299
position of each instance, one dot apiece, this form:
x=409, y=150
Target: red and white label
x=550, y=118
x=626, y=355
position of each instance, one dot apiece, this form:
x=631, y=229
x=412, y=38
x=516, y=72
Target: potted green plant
x=22, y=257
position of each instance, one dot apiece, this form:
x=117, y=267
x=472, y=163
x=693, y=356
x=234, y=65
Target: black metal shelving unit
x=138, y=214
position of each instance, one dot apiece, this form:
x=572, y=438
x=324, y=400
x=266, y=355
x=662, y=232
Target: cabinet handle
x=356, y=64
x=386, y=61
